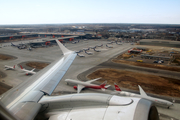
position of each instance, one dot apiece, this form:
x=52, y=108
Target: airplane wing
x=79, y=88
x=33, y=69
x=22, y=100
x=6, y=68
x=90, y=81
x=107, y=86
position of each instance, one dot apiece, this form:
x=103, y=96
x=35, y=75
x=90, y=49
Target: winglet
x=117, y=87
x=64, y=49
x=14, y=67
x=142, y=91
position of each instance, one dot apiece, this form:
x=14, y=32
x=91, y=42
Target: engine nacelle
x=98, y=107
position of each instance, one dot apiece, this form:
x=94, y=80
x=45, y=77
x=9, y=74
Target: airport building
x=158, y=42
x=17, y=37
x=24, y=36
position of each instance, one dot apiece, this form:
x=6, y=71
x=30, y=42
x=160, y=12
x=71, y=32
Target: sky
x=89, y=11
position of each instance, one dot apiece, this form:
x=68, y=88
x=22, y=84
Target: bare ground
x=6, y=57
x=131, y=80
x=157, y=66
x=4, y=88
x=37, y=65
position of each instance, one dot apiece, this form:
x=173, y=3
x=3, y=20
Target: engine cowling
x=98, y=107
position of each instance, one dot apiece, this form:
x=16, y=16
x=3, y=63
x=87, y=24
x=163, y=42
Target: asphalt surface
x=80, y=67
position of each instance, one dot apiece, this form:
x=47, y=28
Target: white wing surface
x=90, y=81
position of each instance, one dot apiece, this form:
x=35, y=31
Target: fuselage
x=100, y=45
x=85, y=84
x=93, y=87
x=29, y=72
x=9, y=67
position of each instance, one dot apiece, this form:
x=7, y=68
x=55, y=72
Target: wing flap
x=33, y=96
x=49, y=88
x=51, y=85
x=26, y=111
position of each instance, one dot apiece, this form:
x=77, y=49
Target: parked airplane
x=118, y=43
x=157, y=101
x=85, y=49
x=89, y=53
x=14, y=45
x=28, y=72
x=109, y=46
x=24, y=102
x=79, y=51
x=80, y=55
x=30, y=49
x=37, y=46
x=99, y=45
x=20, y=46
x=109, y=42
x=96, y=50
x=74, y=42
x=87, y=84
x=9, y=67
x=92, y=47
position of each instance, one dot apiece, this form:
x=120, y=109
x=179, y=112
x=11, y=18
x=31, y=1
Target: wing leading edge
x=22, y=101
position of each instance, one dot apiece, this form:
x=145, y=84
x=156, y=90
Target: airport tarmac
x=79, y=65
x=52, y=53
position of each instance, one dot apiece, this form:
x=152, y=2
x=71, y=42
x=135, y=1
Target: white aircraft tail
x=64, y=49
x=117, y=87
x=142, y=93
x=21, y=67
